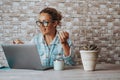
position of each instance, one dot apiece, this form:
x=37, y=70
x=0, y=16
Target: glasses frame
x=44, y=23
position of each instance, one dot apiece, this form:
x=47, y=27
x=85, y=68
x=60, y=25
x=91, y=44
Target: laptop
x=23, y=56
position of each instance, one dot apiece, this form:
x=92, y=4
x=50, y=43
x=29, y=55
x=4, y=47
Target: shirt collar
x=55, y=40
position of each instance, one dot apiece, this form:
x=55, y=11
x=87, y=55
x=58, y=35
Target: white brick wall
x=88, y=21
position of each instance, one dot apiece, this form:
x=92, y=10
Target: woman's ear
x=55, y=23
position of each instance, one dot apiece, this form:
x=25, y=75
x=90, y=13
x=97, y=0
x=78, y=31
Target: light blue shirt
x=48, y=53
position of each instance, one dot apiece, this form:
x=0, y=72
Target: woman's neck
x=49, y=37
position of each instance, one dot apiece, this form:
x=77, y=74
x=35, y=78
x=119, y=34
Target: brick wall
x=88, y=21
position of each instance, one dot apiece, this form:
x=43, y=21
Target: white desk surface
x=103, y=72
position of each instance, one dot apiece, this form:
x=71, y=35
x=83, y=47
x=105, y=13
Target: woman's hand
x=63, y=36
x=17, y=41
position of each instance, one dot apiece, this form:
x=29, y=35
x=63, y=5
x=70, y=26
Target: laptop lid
x=22, y=56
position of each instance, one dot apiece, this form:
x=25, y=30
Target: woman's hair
x=55, y=15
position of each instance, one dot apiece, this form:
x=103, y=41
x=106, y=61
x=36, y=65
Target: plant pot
x=89, y=59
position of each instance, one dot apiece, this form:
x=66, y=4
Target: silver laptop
x=23, y=56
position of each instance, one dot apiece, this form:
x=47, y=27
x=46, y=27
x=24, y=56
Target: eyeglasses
x=44, y=23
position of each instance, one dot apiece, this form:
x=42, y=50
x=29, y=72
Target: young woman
x=50, y=42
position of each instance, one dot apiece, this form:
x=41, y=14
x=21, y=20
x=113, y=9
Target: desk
x=103, y=72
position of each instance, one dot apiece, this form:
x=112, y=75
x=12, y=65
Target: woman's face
x=47, y=26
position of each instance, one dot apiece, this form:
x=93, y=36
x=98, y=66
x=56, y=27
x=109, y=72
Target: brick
x=96, y=21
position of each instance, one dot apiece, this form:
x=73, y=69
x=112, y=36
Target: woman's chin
x=45, y=33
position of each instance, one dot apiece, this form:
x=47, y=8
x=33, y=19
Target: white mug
x=58, y=65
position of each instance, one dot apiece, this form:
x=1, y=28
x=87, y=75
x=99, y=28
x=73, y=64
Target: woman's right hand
x=17, y=41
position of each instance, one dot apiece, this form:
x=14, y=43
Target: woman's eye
x=45, y=24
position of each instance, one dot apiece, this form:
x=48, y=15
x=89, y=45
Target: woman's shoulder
x=36, y=38
x=38, y=35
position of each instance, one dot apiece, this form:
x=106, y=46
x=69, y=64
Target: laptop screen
x=22, y=56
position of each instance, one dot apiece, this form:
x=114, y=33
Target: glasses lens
x=45, y=23
x=38, y=23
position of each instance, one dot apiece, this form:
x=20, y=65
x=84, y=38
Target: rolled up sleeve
x=69, y=60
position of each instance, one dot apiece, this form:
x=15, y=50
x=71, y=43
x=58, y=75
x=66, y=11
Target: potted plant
x=89, y=54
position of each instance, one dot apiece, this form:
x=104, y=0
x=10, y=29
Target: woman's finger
x=63, y=34
x=17, y=41
x=61, y=37
x=66, y=34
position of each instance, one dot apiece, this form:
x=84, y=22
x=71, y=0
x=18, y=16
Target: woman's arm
x=66, y=48
x=63, y=36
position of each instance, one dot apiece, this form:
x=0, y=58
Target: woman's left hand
x=63, y=36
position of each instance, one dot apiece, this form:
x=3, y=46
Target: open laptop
x=23, y=56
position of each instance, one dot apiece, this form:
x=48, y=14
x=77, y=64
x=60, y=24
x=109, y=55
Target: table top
x=102, y=72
